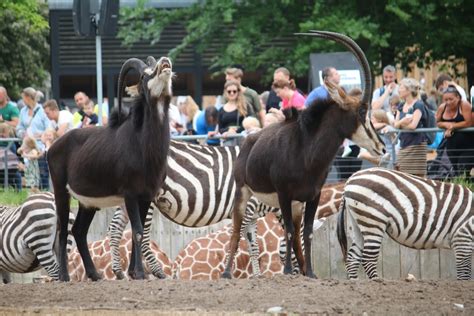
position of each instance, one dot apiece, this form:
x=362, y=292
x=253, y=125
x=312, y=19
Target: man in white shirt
x=381, y=96
x=61, y=121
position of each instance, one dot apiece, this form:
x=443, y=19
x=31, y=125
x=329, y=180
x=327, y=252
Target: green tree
x=259, y=34
x=24, y=44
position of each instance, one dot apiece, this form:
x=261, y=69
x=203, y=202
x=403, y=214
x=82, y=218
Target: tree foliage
x=251, y=32
x=24, y=44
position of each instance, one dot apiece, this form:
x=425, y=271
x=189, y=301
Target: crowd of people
x=37, y=125
x=242, y=110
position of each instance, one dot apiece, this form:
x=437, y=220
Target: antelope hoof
x=287, y=270
x=64, y=278
x=137, y=275
x=94, y=276
x=226, y=275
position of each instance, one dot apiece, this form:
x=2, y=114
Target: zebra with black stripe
x=416, y=212
x=28, y=236
x=199, y=190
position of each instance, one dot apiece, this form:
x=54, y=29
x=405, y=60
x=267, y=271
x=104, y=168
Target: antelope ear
x=132, y=90
x=337, y=94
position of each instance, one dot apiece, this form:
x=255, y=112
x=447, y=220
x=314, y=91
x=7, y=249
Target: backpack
x=429, y=121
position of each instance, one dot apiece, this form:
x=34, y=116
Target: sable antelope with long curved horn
x=286, y=164
x=124, y=162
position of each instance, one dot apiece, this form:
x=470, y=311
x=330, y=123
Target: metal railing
x=351, y=163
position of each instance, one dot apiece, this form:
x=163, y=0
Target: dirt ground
x=282, y=294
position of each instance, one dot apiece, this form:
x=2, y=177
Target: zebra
x=28, y=236
x=416, y=212
x=199, y=190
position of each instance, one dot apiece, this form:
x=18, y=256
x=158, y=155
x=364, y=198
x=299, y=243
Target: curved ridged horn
x=360, y=56
x=132, y=63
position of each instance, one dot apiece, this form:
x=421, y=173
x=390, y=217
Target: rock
x=410, y=278
x=275, y=309
x=459, y=306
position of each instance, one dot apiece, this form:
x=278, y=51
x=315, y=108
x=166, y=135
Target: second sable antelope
x=286, y=164
x=124, y=162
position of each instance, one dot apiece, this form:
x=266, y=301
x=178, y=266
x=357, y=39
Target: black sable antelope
x=124, y=162
x=286, y=164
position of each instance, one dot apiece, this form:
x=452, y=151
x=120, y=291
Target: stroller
x=440, y=168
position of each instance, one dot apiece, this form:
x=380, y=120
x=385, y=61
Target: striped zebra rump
x=412, y=160
x=199, y=188
x=28, y=234
x=416, y=212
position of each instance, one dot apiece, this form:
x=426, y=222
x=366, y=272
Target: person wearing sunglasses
x=232, y=113
x=453, y=114
x=250, y=95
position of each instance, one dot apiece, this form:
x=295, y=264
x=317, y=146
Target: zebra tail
x=341, y=229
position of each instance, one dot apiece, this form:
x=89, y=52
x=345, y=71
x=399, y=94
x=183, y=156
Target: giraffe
x=100, y=252
x=204, y=257
x=331, y=195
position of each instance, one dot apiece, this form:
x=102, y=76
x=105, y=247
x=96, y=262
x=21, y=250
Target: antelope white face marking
x=99, y=202
x=161, y=82
x=370, y=142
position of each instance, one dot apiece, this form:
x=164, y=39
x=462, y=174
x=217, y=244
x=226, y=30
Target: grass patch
x=14, y=198
x=463, y=180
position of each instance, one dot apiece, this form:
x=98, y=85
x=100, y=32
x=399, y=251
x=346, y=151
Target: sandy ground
x=285, y=294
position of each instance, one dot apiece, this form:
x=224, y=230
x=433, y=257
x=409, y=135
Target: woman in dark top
x=412, y=155
x=453, y=114
x=233, y=112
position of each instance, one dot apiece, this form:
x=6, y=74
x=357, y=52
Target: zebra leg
x=249, y=232
x=354, y=255
x=115, y=232
x=242, y=196
x=462, y=244
x=294, y=262
x=370, y=254
x=79, y=230
x=43, y=249
x=285, y=205
x=153, y=264
x=251, y=236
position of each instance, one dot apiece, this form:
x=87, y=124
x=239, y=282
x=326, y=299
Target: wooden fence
x=395, y=262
